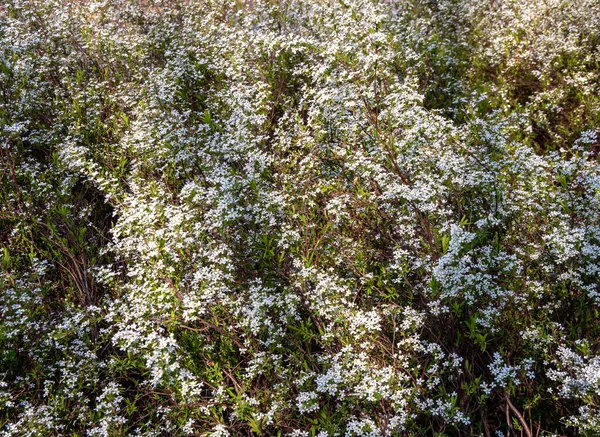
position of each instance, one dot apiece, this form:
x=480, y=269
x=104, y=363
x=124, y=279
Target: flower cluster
x=299, y=217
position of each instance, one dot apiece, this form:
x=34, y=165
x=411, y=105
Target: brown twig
x=511, y=430
x=519, y=416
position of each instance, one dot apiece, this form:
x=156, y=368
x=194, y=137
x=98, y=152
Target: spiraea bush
x=300, y=218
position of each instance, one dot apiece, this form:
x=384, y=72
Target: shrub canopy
x=299, y=217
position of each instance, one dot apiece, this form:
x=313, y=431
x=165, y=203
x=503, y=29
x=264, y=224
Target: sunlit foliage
x=299, y=218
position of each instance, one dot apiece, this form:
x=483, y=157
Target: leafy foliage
x=301, y=218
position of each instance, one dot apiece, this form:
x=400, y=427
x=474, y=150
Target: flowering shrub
x=299, y=218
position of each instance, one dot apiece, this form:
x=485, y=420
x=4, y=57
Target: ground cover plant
x=299, y=218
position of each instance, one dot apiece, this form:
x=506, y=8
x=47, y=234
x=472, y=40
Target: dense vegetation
x=299, y=218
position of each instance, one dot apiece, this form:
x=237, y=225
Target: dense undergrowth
x=300, y=218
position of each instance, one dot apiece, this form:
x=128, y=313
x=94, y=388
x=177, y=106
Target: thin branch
x=519, y=416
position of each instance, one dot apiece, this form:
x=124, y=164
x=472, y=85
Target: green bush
x=299, y=218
